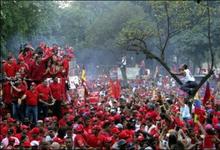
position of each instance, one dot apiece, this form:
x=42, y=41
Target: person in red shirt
x=65, y=70
x=18, y=88
x=80, y=142
x=10, y=68
x=57, y=95
x=38, y=68
x=31, y=97
x=22, y=68
x=92, y=138
x=44, y=98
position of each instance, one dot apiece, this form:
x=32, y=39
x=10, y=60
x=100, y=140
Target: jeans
x=57, y=109
x=42, y=111
x=32, y=113
x=17, y=111
x=188, y=86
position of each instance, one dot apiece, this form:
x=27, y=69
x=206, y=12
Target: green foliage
x=109, y=25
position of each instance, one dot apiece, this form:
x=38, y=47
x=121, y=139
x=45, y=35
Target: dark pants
x=32, y=113
x=57, y=109
x=18, y=111
x=42, y=110
x=124, y=76
x=189, y=86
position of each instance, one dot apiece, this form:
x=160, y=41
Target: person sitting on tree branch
x=189, y=81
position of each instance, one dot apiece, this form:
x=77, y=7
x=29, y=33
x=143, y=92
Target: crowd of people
x=38, y=111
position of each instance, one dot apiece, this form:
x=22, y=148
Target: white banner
x=73, y=81
x=132, y=72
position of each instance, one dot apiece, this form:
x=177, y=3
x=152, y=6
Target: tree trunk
x=168, y=70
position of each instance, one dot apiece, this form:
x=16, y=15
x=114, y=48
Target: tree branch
x=211, y=71
x=168, y=32
x=152, y=55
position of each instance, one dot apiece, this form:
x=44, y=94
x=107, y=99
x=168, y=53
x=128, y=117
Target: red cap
x=70, y=118
x=117, y=117
x=111, y=119
x=58, y=140
x=115, y=130
x=79, y=128
x=35, y=130
x=70, y=110
x=10, y=120
x=140, y=138
x=26, y=144
x=96, y=127
x=108, y=139
x=123, y=135
x=23, y=127
x=20, y=58
x=54, y=118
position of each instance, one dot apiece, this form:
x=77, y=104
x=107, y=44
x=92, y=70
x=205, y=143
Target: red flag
x=111, y=89
x=117, y=90
x=207, y=95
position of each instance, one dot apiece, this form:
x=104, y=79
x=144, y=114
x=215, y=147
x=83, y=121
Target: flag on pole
x=83, y=75
x=117, y=90
x=207, y=95
x=196, y=96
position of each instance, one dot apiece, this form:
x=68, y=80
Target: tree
x=167, y=25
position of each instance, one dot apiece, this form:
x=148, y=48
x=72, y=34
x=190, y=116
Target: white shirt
x=123, y=61
x=188, y=76
x=185, y=113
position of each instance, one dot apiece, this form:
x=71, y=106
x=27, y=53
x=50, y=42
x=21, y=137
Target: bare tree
x=138, y=43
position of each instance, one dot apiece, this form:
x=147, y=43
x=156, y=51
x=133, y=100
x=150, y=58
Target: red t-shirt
x=208, y=143
x=37, y=70
x=79, y=141
x=66, y=66
x=32, y=97
x=45, y=91
x=56, y=91
x=23, y=69
x=7, y=97
x=23, y=89
x=10, y=69
x=92, y=140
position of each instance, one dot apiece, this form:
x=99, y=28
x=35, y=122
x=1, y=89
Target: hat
x=117, y=117
x=115, y=130
x=123, y=135
x=54, y=118
x=208, y=126
x=11, y=120
x=58, y=140
x=79, y=128
x=26, y=144
x=119, y=126
x=35, y=130
x=96, y=127
x=108, y=139
x=70, y=110
x=140, y=138
x=20, y=58
x=23, y=127
x=70, y=118
x=34, y=143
